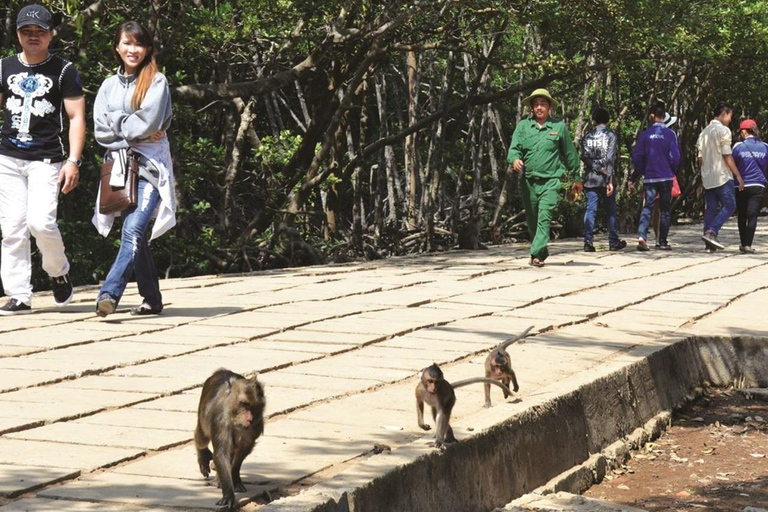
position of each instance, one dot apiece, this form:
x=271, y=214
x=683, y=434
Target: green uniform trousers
x=540, y=197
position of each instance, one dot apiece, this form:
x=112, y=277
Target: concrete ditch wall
x=516, y=456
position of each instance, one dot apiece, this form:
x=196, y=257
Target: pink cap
x=746, y=124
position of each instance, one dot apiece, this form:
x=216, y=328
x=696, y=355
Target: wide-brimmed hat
x=544, y=94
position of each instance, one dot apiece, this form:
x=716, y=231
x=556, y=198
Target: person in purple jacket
x=751, y=158
x=656, y=157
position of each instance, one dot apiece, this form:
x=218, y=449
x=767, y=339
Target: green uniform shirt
x=547, y=151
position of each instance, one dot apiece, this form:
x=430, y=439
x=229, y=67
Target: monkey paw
x=488, y=404
x=425, y=427
x=227, y=504
x=204, y=458
x=439, y=445
x=240, y=487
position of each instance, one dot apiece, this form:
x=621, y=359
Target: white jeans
x=29, y=196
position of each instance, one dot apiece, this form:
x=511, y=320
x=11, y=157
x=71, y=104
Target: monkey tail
x=477, y=380
x=505, y=344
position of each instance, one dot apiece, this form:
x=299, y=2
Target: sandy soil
x=714, y=457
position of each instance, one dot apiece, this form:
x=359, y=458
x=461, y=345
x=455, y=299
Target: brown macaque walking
x=498, y=365
x=438, y=393
x=231, y=416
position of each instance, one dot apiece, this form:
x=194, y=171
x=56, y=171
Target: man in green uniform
x=543, y=151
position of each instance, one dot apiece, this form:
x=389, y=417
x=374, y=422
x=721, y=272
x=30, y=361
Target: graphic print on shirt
x=28, y=102
x=598, y=141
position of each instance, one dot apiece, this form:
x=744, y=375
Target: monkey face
x=497, y=370
x=249, y=402
x=246, y=414
x=430, y=384
x=499, y=362
x=431, y=377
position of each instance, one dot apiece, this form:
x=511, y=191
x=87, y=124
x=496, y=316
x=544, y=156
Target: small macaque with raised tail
x=231, y=417
x=438, y=393
x=498, y=365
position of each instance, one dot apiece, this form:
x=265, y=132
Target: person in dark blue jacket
x=656, y=156
x=751, y=158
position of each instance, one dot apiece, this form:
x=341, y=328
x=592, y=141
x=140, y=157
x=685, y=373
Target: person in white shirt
x=717, y=173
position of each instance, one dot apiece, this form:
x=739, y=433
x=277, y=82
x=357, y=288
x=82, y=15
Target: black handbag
x=116, y=199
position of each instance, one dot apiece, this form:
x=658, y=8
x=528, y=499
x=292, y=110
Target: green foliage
x=277, y=151
x=620, y=54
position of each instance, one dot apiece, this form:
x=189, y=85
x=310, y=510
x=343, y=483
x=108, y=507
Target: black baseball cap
x=34, y=15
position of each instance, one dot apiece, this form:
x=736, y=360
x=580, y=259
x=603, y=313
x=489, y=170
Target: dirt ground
x=714, y=457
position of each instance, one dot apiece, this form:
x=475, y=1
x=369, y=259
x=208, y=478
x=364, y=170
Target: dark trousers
x=747, y=208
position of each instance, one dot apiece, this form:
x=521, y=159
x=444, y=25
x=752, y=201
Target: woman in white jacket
x=133, y=110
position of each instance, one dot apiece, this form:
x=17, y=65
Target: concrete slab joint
x=96, y=415
x=550, y=443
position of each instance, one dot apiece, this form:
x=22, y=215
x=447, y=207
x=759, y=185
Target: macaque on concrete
x=231, y=417
x=498, y=365
x=438, y=393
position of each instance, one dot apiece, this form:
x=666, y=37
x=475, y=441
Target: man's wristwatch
x=75, y=161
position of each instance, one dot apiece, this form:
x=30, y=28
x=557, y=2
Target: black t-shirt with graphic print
x=33, y=115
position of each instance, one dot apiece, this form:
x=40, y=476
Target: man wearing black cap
x=36, y=89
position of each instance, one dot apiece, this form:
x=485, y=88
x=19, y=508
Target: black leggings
x=747, y=208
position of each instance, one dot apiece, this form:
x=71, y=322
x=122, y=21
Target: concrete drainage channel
x=564, y=441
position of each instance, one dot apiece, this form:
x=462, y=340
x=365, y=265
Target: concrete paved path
x=98, y=414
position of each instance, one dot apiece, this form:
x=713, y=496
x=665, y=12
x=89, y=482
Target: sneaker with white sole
x=62, y=290
x=105, y=305
x=710, y=238
x=15, y=307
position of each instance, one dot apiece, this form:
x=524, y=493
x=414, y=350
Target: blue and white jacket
x=751, y=158
x=656, y=155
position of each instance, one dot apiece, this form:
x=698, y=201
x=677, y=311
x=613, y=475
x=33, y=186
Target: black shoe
x=105, y=305
x=62, y=290
x=619, y=246
x=589, y=248
x=642, y=245
x=711, y=239
x=15, y=307
x=145, y=309
x=664, y=247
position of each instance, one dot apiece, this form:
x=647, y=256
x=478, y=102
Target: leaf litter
x=713, y=457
